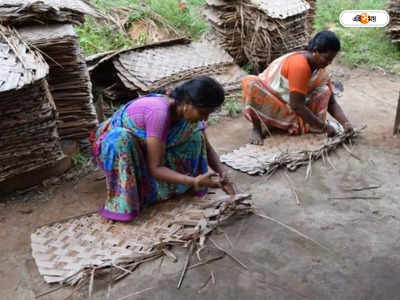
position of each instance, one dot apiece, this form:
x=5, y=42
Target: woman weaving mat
x=155, y=147
x=294, y=92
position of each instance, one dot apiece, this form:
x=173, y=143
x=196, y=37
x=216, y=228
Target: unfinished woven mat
x=283, y=151
x=67, y=251
x=15, y=12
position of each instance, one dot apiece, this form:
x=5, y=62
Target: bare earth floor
x=363, y=234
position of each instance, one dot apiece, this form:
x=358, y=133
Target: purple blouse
x=152, y=115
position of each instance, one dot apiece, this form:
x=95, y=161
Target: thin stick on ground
x=212, y=277
x=329, y=160
x=185, y=267
x=50, y=291
x=136, y=293
x=229, y=254
x=227, y=238
x=289, y=180
x=372, y=187
x=294, y=230
x=355, y=198
x=202, y=263
x=91, y=282
x=80, y=284
x=351, y=153
x=204, y=284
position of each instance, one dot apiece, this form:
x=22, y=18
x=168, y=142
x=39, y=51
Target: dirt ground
x=363, y=234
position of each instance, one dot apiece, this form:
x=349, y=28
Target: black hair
x=202, y=92
x=324, y=41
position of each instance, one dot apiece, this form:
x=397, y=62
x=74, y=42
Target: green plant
x=106, y=5
x=139, y=12
x=248, y=68
x=189, y=20
x=97, y=36
x=360, y=46
x=232, y=105
x=78, y=160
x=142, y=39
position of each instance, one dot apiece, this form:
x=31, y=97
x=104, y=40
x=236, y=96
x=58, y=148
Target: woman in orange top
x=294, y=92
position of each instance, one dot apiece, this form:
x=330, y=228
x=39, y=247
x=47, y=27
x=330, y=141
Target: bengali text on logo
x=364, y=18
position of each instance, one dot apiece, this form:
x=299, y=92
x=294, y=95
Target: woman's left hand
x=227, y=185
x=348, y=127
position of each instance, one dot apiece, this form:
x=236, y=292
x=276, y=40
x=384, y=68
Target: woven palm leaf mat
x=290, y=152
x=258, y=31
x=69, y=250
x=28, y=132
x=156, y=67
x=145, y=69
x=69, y=79
x=16, y=12
x=281, y=9
x=393, y=28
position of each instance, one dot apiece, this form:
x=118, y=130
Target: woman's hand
x=348, y=128
x=205, y=180
x=227, y=185
x=330, y=130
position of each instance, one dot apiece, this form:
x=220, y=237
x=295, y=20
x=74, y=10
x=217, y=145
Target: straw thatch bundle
x=393, y=29
x=68, y=78
x=144, y=69
x=28, y=132
x=259, y=30
x=16, y=12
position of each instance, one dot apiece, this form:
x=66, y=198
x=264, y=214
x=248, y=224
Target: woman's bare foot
x=107, y=221
x=256, y=137
x=258, y=133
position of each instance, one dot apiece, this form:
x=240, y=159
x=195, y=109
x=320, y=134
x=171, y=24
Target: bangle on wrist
x=196, y=186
